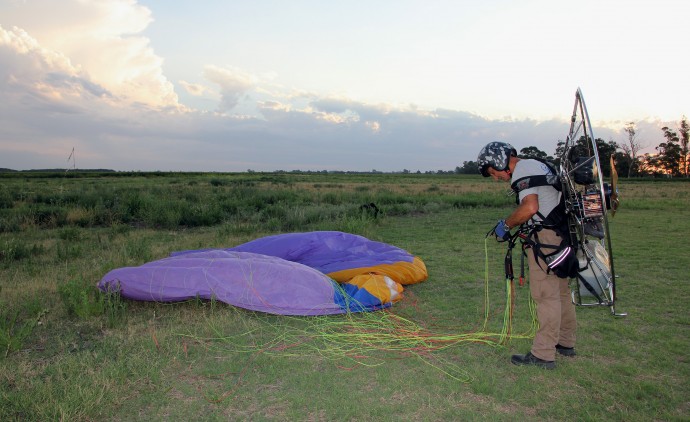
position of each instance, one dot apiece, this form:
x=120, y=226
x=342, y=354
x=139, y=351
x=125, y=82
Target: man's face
x=498, y=175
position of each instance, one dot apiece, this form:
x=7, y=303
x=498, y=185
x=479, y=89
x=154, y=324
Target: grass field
x=70, y=353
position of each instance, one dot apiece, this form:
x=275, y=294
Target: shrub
x=16, y=327
x=6, y=200
x=16, y=250
x=70, y=234
x=79, y=299
x=80, y=216
x=84, y=301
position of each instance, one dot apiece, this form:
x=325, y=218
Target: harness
x=560, y=259
x=556, y=219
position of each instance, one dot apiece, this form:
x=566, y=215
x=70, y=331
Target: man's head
x=496, y=156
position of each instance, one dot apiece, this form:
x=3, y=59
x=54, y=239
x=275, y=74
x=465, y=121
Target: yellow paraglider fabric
x=403, y=272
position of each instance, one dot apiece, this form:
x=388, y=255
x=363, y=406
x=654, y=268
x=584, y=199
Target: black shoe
x=566, y=351
x=530, y=359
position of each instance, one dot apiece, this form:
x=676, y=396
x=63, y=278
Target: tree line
x=672, y=158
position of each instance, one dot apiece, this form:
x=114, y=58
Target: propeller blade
x=615, y=202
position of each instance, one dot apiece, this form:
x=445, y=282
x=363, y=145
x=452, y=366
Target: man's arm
x=527, y=208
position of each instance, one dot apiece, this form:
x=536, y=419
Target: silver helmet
x=496, y=155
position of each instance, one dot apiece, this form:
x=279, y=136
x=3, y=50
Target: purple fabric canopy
x=281, y=274
x=251, y=281
x=326, y=251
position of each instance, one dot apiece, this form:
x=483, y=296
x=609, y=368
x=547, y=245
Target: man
x=538, y=208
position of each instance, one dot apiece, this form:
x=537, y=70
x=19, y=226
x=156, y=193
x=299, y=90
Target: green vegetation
x=273, y=202
x=69, y=352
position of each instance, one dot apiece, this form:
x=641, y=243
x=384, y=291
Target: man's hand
x=502, y=231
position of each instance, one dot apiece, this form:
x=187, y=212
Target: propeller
x=615, y=202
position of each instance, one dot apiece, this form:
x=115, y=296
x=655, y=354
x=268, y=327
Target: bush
x=16, y=250
x=6, y=200
x=16, y=326
x=83, y=300
x=79, y=299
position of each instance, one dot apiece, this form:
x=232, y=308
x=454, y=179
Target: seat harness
x=562, y=260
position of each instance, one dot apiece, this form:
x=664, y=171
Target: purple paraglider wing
x=247, y=280
x=327, y=251
x=290, y=274
x=342, y=256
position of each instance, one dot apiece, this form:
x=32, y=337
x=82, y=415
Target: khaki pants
x=555, y=310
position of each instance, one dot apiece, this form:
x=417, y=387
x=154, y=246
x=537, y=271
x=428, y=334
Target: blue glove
x=502, y=231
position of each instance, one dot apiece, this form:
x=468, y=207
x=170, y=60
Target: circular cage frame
x=588, y=202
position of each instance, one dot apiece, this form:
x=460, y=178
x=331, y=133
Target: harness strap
x=555, y=220
x=562, y=252
x=536, y=181
x=522, y=265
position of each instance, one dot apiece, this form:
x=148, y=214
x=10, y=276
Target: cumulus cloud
x=193, y=89
x=32, y=73
x=233, y=83
x=100, y=39
x=80, y=74
x=374, y=126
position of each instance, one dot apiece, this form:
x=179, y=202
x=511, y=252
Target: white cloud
x=374, y=126
x=46, y=78
x=81, y=75
x=233, y=84
x=193, y=89
x=100, y=38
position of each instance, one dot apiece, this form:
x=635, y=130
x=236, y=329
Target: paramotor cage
x=589, y=202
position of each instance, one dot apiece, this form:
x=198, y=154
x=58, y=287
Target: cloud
x=233, y=84
x=374, y=126
x=32, y=74
x=81, y=75
x=100, y=39
x=193, y=89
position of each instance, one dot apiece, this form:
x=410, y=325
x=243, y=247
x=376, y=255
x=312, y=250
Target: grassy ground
x=70, y=354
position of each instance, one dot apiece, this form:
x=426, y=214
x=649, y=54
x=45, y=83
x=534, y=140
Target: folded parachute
x=289, y=274
x=341, y=255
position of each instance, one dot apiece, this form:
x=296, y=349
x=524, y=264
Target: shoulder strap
x=538, y=180
x=556, y=218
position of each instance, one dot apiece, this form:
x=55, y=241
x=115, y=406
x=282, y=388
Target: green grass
x=74, y=354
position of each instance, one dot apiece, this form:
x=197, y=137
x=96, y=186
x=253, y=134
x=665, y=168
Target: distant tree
x=583, y=148
x=606, y=151
x=649, y=165
x=669, y=157
x=468, y=167
x=580, y=148
x=532, y=152
x=559, y=152
x=684, y=138
x=623, y=162
x=631, y=148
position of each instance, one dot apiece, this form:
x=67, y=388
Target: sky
x=385, y=85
